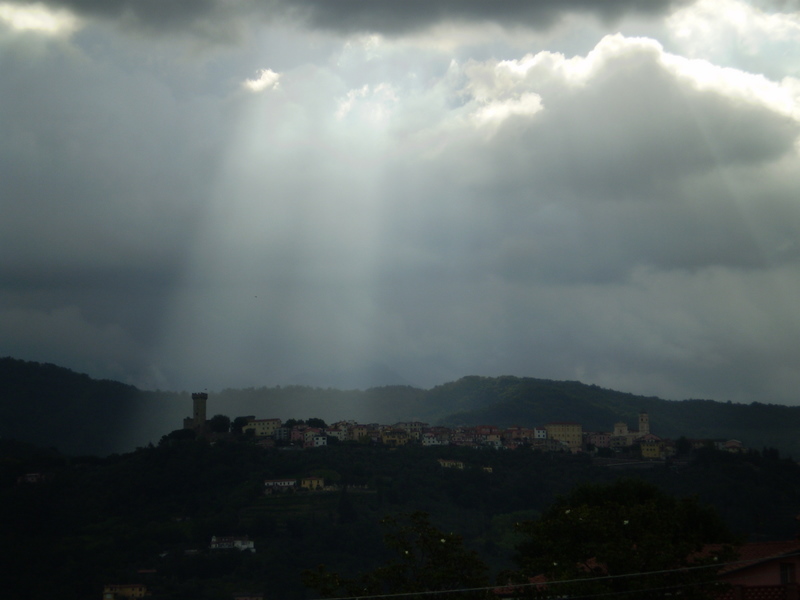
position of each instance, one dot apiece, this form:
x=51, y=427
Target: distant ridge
x=51, y=406
x=506, y=401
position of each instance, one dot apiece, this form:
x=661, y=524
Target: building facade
x=232, y=542
x=567, y=432
x=263, y=427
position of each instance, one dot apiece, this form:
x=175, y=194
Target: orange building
x=394, y=437
x=312, y=483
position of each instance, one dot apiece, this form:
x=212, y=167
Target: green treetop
x=624, y=537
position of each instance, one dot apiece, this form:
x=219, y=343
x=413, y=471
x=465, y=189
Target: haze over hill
x=52, y=406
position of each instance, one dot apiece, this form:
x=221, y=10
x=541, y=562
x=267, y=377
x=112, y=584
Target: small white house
x=279, y=485
x=232, y=542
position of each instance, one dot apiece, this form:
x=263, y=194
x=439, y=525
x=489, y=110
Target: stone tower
x=644, y=423
x=199, y=410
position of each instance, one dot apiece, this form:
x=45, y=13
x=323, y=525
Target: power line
x=519, y=586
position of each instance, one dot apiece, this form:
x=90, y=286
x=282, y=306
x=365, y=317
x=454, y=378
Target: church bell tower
x=644, y=423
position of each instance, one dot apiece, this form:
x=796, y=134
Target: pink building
x=598, y=439
x=764, y=570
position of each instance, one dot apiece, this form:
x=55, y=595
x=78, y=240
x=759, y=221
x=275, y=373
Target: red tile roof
x=754, y=553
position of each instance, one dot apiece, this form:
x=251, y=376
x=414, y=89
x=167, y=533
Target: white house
x=232, y=542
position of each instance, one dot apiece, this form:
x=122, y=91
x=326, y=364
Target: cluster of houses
x=552, y=437
x=312, y=484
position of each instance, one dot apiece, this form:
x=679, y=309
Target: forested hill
x=506, y=401
x=148, y=515
x=51, y=406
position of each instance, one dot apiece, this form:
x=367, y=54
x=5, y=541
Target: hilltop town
x=221, y=507
x=561, y=436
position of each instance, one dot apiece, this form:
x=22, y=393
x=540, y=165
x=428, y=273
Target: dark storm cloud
x=154, y=14
x=382, y=16
x=388, y=16
x=104, y=174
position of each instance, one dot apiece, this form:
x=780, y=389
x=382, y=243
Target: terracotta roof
x=754, y=553
x=538, y=582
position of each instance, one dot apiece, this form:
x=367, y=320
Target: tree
x=219, y=424
x=683, y=446
x=238, y=424
x=623, y=537
x=345, y=511
x=178, y=435
x=315, y=422
x=427, y=560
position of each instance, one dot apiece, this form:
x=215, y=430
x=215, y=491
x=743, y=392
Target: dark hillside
x=91, y=521
x=51, y=406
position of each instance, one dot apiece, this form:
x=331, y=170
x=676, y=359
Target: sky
x=209, y=194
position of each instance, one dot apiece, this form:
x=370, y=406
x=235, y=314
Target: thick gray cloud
x=635, y=163
x=349, y=16
x=105, y=174
x=395, y=17
x=150, y=14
